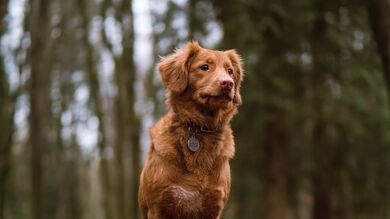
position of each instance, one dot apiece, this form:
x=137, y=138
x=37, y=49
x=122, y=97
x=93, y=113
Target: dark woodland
x=79, y=92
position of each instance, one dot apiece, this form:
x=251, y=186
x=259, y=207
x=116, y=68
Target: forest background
x=79, y=91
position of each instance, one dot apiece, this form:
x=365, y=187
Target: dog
x=187, y=172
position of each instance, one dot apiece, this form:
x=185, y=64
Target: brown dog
x=187, y=173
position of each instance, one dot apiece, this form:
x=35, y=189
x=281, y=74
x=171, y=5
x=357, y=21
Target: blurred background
x=79, y=91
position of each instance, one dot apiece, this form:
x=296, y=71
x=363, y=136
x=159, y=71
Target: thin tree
x=321, y=189
x=378, y=11
x=128, y=122
x=95, y=91
x=7, y=108
x=3, y=12
x=39, y=89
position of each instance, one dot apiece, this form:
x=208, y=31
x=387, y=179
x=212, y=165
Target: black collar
x=192, y=127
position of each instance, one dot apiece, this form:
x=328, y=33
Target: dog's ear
x=174, y=68
x=238, y=74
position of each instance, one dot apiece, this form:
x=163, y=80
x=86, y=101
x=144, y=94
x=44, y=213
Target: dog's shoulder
x=228, y=149
x=162, y=139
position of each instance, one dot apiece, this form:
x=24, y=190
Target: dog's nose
x=227, y=84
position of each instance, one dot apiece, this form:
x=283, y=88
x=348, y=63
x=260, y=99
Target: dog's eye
x=204, y=67
x=230, y=71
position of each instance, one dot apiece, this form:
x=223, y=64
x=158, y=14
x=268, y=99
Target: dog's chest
x=195, y=193
x=205, y=159
x=195, y=203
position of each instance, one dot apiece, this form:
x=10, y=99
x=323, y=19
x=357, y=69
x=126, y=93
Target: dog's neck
x=180, y=116
x=192, y=114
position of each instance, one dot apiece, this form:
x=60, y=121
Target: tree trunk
x=276, y=142
x=275, y=167
x=122, y=140
x=39, y=99
x=7, y=108
x=191, y=19
x=321, y=187
x=378, y=11
x=6, y=118
x=135, y=127
x=123, y=109
x=94, y=87
x=128, y=122
x=3, y=12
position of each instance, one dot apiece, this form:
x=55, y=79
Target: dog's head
x=210, y=78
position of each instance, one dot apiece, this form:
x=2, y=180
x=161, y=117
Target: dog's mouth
x=216, y=98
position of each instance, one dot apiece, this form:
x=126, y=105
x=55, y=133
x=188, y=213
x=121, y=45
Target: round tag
x=193, y=144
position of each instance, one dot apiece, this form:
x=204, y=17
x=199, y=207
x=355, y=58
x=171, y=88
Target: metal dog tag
x=193, y=144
